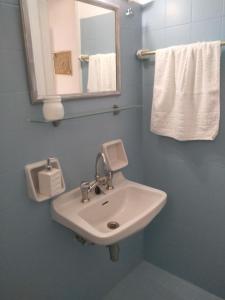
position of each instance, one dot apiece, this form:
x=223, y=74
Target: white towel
x=102, y=73
x=186, y=99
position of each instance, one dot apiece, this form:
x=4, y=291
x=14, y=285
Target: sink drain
x=113, y=225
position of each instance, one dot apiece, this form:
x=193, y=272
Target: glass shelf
x=115, y=110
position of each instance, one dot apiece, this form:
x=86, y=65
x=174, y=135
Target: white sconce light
x=142, y=2
x=53, y=109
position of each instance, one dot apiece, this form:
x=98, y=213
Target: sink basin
x=108, y=218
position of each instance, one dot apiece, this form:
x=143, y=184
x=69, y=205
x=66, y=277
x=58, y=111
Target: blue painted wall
x=39, y=259
x=188, y=237
x=97, y=36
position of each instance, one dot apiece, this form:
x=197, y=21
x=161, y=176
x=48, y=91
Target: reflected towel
x=186, y=99
x=102, y=73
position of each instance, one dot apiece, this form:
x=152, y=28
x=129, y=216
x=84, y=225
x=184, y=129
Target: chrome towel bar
x=145, y=53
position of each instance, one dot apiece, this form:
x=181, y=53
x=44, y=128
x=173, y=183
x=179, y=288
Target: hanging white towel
x=102, y=73
x=186, y=99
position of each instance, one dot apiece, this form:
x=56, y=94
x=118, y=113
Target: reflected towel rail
x=84, y=58
x=145, y=53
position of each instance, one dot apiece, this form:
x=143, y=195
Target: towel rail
x=145, y=53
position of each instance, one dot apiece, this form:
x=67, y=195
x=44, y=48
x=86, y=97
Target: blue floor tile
x=147, y=282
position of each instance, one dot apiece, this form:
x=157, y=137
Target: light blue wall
x=39, y=258
x=187, y=238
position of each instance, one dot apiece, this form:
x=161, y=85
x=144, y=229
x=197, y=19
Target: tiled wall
x=39, y=259
x=187, y=238
x=172, y=22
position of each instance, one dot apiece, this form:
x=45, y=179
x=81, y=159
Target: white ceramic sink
x=131, y=205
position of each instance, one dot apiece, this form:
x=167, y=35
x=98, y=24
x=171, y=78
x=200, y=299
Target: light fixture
x=142, y=2
x=53, y=109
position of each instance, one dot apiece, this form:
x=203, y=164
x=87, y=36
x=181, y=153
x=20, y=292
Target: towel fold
x=186, y=98
x=102, y=73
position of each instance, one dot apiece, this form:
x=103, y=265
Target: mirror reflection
x=73, y=45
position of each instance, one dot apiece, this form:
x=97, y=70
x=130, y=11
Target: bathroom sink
x=111, y=216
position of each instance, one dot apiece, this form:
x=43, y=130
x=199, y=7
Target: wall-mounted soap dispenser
x=44, y=179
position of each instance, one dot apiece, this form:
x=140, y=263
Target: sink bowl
x=108, y=218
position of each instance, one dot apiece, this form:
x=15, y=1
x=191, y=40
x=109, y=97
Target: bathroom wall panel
x=206, y=9
x=39, y=259
x=178, y=12
x=187, y=238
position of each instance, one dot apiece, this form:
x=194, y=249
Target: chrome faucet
x=100, y=157
x=106, y=179
x=100, y=181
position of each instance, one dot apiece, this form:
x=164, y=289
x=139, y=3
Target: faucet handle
x=84, y=185
x=84, y=188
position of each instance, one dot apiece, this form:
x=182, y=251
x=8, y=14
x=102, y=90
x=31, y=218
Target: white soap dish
x=115, y=154
x=32, y=171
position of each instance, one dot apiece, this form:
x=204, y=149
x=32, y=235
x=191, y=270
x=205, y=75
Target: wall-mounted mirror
x=72, y=48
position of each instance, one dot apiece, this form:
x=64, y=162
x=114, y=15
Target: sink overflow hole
x=113, y=225
x=104, y=203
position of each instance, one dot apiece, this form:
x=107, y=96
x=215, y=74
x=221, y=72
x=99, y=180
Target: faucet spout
x=100, y=156
x=106, y=179
x=107, y=176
